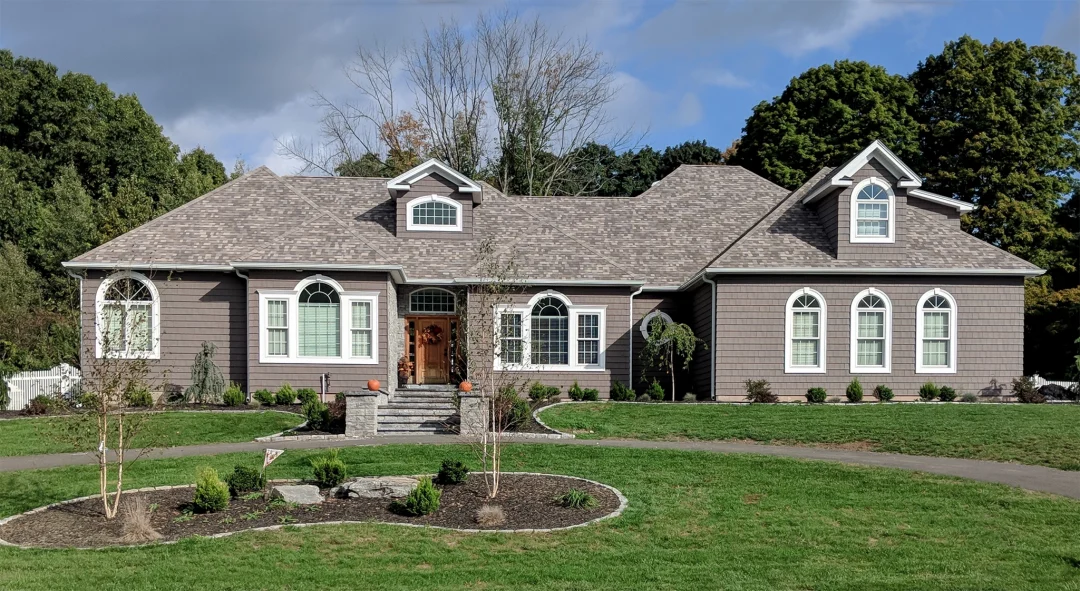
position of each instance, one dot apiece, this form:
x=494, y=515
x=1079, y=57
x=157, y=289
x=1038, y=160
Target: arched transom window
x=551, y=333
x=128, y=314
x=805, y=328
x=318, y=322
x=873, y=212
x=871, y=332
x=936, y=333
x=433, y=213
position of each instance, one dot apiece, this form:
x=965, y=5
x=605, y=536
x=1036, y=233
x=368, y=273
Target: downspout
x=712, y=329
x=631, y=331
x=247, y=337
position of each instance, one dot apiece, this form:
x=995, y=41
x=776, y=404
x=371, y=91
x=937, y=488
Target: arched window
x=805, y=329
x=647, y=321
x=550, y=332
x=128, y=313
x=871, y=332
x=433, y=213
x=873, y=212
x=935, y=345
x=320, y=321
x=432, y=301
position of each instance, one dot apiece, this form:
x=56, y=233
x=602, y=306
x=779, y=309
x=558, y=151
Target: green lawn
x=695, y=521
x=21, y=437
x=1047, y=435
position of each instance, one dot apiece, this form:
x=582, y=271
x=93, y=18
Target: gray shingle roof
x=661, y=237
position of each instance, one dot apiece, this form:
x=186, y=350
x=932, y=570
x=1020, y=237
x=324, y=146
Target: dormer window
x=873, y=212
x=433, y=213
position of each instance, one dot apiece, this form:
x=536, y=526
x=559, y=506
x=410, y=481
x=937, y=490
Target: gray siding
x=940, y=212
x=827, y=212
x=863, y=251
x=195, y=307
x=343, y=377
x=750, y=333
x=435, y=184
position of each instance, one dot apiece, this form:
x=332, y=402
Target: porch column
x=474, y=414
x=361, y=414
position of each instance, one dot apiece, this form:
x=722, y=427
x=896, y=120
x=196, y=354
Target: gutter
x=631, y=331
x=866, y=271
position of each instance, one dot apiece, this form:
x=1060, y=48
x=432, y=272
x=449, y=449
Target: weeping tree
x=667, y=341
x=207, y=383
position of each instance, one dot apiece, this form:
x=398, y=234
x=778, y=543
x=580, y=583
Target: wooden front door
x=432, y=350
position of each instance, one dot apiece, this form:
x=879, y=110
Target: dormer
x=434, y=201
x=866, y=204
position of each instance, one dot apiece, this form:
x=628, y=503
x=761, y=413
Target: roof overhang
x=960, y=206
x=867, y=271
x=135, y=266
x=405, y=180
x=842, y=177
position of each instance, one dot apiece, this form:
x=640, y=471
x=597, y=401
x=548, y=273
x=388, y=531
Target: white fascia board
x=961, y=206
x=404, y=181
x=129, y=266
x=395, y=271
x=869, y=271
x=908, y=179
x=597, y=282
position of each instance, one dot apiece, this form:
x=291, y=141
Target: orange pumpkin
x=373, y=385
x=465, y=386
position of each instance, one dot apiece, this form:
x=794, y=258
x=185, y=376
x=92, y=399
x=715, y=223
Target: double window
x=318, y=322
x=550, y=333
x=128, y=314
x=433, y=213
x=873, y=212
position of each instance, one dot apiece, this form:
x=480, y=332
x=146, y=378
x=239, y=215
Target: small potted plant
x=404, y=370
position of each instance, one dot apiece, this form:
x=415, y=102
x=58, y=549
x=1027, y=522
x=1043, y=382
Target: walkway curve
x=1036, y=478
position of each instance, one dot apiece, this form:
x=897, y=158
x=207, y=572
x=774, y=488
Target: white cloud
x=721, y=78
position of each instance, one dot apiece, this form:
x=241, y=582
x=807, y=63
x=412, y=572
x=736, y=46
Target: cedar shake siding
x=861, y=250
x=435, y=184
x=942, y=213
x=195, y=307
x=343, y=377
x=616, y=301
x=751, y=332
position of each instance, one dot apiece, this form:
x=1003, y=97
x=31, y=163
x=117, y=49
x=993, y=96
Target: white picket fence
x=23, y=387
x=1040, y=382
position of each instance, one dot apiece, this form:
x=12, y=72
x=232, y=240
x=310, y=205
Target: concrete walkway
x=1036, y=478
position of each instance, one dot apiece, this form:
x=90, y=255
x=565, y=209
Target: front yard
x=1047, y=435
x=21, y=437
x=695, y=521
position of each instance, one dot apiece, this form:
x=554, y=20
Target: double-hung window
x=510, y=337
x=935, y=327
x=318, y=322
x=871, y=332
x=127, y=318
x=804, y=350
x=277, y=328
x=362, y=333
x=549, y=334
x=873, y=212
x=588, y=339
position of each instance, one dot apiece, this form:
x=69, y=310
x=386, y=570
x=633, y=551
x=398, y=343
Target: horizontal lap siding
x=195, y=307
x=304, y=375
x=750, y=338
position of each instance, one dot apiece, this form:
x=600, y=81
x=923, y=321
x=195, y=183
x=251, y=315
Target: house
x=858, y=273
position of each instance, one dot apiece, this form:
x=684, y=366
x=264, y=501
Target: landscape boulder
x=377, y=487
x=301, y=494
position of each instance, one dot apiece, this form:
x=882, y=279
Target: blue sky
x=236, y=76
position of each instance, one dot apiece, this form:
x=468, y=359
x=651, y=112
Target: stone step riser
x=417, y=410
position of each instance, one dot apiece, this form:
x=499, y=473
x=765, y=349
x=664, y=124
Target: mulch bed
x=528, y=502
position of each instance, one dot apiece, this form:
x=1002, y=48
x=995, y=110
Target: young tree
x=666, y=341
x=207, y=383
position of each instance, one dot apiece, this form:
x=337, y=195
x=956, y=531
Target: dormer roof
x=842, y=175
x=403, y=182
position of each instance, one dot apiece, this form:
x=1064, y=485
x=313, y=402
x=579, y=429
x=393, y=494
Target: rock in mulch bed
x=528, y=502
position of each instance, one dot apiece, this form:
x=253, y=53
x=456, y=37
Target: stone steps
x=419, y=409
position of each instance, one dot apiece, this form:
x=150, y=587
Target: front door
x=432, y=350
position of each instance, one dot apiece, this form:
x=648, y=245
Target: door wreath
x=433, y=334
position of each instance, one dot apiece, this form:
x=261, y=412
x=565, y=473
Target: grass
x=1045, y=435
x=695, y=521
x=21, y=437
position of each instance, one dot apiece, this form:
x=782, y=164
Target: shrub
x=264, y=397
x=245, y=480
x=1025, y=391
x=490, y=515
x=138, y=396
x=946, y=394
x=39, y=405
x=655, y=391
x=883, y=393
x=211, y=493
x=329, y=469
x=759, y=391
x=87, y=400
x=452, y=472
x=689, y=397
x=643, y=398
x=621, y=392
x=590, y=394
x=540, y=393
x=816, y=395
x=207, y=383
x=928, y=392
x=969, y=397
x=519, y=413
x=306, y=395
x=317, y=415
x=1051, y=392
x=285, y=394
x=834, y=400
x=422, y=500
x=233, y=395
x=575, y=392
x=5, y=398
x=854, y=391
x=576, y=499
x=136, y=527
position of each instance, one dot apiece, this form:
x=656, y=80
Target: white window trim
x=823, y=332
x=409, y=225
x=292, y=297
x=855, y=238
x=648, y=318
x=854, y=363
x=155, y=319
x=525, y=311
x=418, y=312
x=953, y=338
